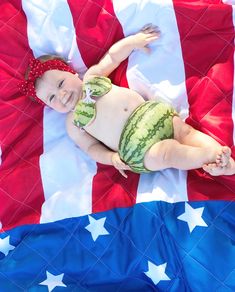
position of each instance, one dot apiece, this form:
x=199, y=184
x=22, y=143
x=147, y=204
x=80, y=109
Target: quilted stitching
x=19, y=161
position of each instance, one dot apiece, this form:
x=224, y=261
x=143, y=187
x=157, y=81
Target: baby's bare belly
x=112, y=112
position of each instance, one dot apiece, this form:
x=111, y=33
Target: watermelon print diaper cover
x=150, y=123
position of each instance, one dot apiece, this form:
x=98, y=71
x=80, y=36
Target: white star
x=96, y=227
x=157, y=273
x=5, y=245
x=193, y=217
x=53, y=281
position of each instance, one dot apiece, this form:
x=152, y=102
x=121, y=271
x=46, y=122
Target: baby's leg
x=170, y=153
x=186, y=134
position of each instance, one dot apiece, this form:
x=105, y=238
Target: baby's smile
x=68, y=99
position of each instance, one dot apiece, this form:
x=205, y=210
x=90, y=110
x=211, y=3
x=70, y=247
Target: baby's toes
x=226, y=153
x=210, y=168
x=206, y=168
x=218, y=160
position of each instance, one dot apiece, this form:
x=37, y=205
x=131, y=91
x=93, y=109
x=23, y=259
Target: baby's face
x=60, y=90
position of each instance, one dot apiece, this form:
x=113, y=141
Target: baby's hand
x=148, y=34
x=119, y=164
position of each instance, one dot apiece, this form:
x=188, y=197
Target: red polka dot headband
x=37, y=69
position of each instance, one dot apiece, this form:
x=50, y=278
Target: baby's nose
x=62, y=94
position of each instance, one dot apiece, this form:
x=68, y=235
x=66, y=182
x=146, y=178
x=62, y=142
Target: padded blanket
x=70, y=224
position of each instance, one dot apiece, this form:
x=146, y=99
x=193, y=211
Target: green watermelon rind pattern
x=98, y=85
x=84, y=114
x=150, y=123
x=85, y=111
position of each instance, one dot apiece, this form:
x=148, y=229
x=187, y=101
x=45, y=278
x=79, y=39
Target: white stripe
x=231, y=2
x=161, y=73
x=168, y=185
x=65, y=171
x=51, y=31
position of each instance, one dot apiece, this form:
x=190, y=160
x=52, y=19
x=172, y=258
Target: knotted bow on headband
x=37, y=69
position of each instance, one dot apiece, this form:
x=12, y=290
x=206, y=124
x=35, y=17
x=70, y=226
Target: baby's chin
x=66, y=109
x=69, y=109
x=71, y=105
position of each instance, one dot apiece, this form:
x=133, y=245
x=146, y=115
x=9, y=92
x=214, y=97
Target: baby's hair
x=43, y=59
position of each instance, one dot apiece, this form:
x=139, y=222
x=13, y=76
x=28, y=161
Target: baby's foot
x=214, y=169
x=223, y=156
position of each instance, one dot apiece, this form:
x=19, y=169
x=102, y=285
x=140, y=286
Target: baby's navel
x=125, y=109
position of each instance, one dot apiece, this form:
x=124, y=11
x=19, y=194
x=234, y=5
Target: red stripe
x=207, y=40
x=97, y=28
x=21, y=193
x=111, y=190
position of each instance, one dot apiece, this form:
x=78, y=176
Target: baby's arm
x=95, y=149
x=122, y=49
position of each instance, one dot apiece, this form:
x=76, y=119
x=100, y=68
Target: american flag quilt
x=70, y=224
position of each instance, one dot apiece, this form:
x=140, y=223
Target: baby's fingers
x=123, y=173
x=146, y=26
x=150, y=28
x=146, y=49
x=124, y=166
x=151, y=40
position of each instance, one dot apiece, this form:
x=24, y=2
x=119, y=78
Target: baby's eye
x=61, y=83
x=51, y=97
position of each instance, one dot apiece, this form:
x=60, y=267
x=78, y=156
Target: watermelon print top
x=85, y=110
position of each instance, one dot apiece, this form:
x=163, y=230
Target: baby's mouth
x=69, y=99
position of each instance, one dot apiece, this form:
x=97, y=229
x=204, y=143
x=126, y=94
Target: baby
x=115, y=125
